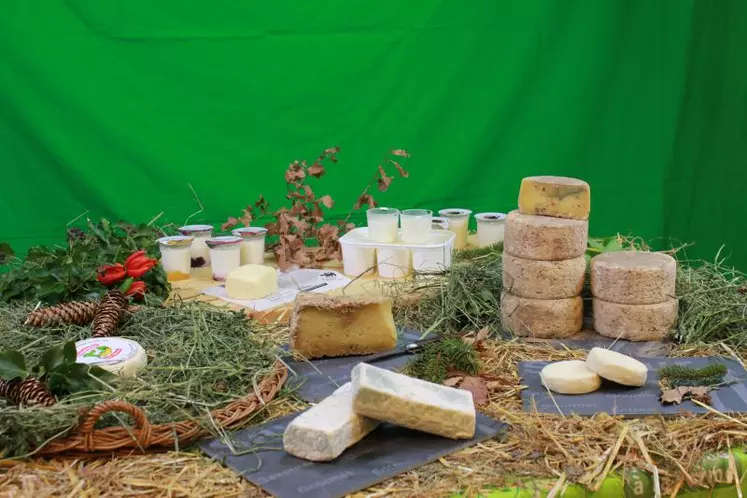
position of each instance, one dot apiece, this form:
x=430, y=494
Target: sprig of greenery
x=439, y=357
x=681, y=375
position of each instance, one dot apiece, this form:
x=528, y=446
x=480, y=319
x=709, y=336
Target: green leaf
x=596, y=244
x=53, y=358
x=613, y=245
x=12, y=365
x=6, y=252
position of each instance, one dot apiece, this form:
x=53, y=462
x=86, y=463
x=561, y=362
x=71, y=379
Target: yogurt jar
x=252, y=244
x=382, y=224
x=225, y=255
x=458, y=222
x=439, y=223
x=200, y=252
x=490, y=227
x=393, y=263
x=176, y=256
x=416, y=225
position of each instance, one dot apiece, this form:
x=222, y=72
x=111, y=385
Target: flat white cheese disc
x=119, y=356
x=570, y=377
x=617, y=367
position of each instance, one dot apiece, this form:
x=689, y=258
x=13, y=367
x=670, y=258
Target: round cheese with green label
x=122, y=357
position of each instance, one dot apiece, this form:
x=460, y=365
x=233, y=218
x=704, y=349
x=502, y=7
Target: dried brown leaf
x=326, y=201
x=262, y=204
x=400, y=152
x=478, y=387
x=384, y=181
x=294, y=173
x=300, y=224
x=495, y=384
x=482, y=334
x=671, y=396
x=402, y=172
x=317, y=215
x=331, y=153
x=309, y=194
x=452, y=381
x=365, y=199
x=230, y=223
x=316, y=170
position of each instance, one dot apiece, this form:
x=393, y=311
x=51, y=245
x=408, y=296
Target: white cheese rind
x=633, y=277
x=544, y=238
x=251, y=282
x=541, y=318
x=326, y=430
x=635, y=322
x=543, y=279
x=570, y=377
x=413, y=403
x=617, y=367
x=122, y=357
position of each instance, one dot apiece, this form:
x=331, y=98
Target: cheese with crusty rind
x=413, y=403
x=635, y=322
x=556, y=196
x=326, y=430
x=544, y=238
x=633, y=277
x=541, y=318
x=543, y=279
x=617, y=367
x=570, y=377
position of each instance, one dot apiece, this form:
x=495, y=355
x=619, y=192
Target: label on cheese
x=120, y=356
x=413, y=403
x=570, y=377
x=633, y=277
x=544, y=238
x=541, y=318
x=326, y=430
x=251, y=282
x=555, y=196
x=635, y=322
x=617, y=367
x=543, y=279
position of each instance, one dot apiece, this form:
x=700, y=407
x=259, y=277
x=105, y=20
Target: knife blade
x=411, y=348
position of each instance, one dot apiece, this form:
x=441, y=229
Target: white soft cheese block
x=413, y=403
x=617, y=367
x=119, y=356
x=324, y=431
x=251, y=282
x=570, y=377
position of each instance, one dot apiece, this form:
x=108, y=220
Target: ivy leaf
x=54, y=358
x=12, y=366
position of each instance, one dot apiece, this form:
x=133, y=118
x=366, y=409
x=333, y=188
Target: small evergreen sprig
x=437, y=358
x=680, y=375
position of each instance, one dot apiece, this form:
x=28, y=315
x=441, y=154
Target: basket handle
x=142, y=430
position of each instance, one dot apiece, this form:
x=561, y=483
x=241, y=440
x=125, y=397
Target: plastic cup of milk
x=200, y=252
x=252, y=244
x=382, y=224
x=176, y=256
x=439, y=223
x=490, y=228
x=458, y=221
x=225, y=255
x=416, y=225
x=393, y=263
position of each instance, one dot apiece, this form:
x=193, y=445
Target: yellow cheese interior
x=251, y=282
x=338, y=326
x=555, y=196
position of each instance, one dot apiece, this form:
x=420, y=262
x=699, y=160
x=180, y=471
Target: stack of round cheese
x=634, y=295
x=543, y=258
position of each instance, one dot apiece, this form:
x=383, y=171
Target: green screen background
x=116, y=107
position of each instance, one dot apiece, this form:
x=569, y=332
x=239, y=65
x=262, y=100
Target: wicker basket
x=144, y=437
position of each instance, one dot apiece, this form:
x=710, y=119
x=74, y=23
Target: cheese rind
x=251, y=282
x=570, y=377
x=556, y=196
x=543, y=279
x=633, y=277
x=617, y=367
x=541, y=318
x=635, y=322
x=544, y=238
x=323, y=325
x=413, y=403
x=326, y=430
x=122, y=357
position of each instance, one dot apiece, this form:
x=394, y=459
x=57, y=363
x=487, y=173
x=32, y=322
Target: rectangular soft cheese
x=555, y=196
x=251, y=282
x=339, y=326
x=324, y=431
x=413, y=403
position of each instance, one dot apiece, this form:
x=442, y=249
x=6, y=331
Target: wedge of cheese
x=544, y=238
x=543, y=279
x=555, y=196
x=339, y=326
x=541, y=318
x=251, y=282
x=633, y=277
x=413, y=403
x=570, y=377
x=635, y=322
x=325, y=431
x=617, y=367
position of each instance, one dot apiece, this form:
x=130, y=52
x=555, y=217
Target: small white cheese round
x=617, y=367
x=570, y=377
x=117, y=355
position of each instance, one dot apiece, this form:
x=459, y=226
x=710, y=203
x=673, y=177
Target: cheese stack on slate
x=634, y=295
x=544, y=258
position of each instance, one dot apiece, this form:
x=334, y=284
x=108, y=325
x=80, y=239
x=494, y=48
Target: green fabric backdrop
x=116, y=106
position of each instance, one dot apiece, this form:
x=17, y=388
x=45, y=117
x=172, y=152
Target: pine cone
x=110, y=311
x=28, y=392
x=75, y=312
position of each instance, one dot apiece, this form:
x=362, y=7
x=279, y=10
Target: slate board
x=386, y=452
x=628, y=401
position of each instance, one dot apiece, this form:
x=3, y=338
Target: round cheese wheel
x=543, y=279
x=617, y=367
x=117, y=355
x=635, y=322
x=633, y=277
x=570, y=377
x=544, y=238
x=542, y=318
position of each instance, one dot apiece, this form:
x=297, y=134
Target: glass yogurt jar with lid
x=200, y=252
x=176, y=256
x=458, y=221
x=225, y=255
x=252, y=244
x=490, y=227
